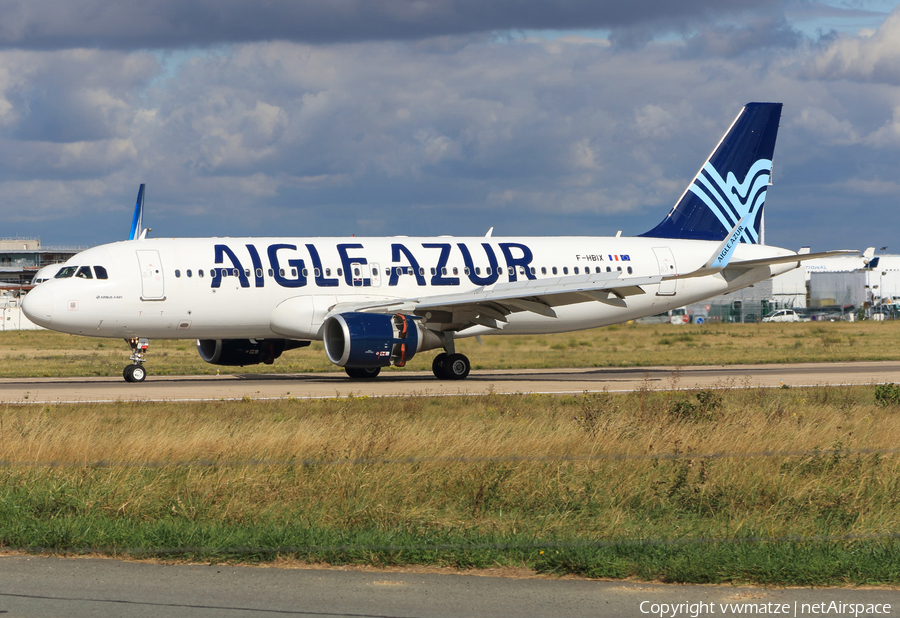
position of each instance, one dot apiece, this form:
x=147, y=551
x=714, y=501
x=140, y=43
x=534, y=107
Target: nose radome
x=38, y=305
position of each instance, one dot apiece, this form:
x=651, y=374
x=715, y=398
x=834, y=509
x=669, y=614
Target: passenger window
x=340, y=272
x=543, y=270
x=66, y=272
x=271, y=273
x=466, y=270
x=597, y=270
x=619, y=268
x=629, y=270
x=189, y=273
x=84, y=273
x=246, y=272
x=177, y=274
x=443, y=271
x=532, y=270
x=433, y=270
x=565, y=270
x=554, y=270
x=512, y=271
x=576, y=270
x=421, y=271
x=281, y=272
x=259, y=273
x=327, y=272
x=387, y=272
x=200, y=273
x=608, y=269
x=456, y=271
x=487, y=271
x=293, y=272
x=478, y=270
x=306, y=272
x=317, y=272
x=100, y=272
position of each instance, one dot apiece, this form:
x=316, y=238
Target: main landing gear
x=450, y=366
x=362, y=373
x=136, y=372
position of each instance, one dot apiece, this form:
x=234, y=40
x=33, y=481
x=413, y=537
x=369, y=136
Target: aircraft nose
x=38, y=305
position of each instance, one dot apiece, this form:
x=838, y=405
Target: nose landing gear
x=136, y=372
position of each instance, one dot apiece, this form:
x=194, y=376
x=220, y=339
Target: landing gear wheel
x=134, y=373
x=437, y=365
x=362, y=373
x=456, y=367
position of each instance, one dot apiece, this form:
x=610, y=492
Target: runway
x=46, y=586
x=407, y=383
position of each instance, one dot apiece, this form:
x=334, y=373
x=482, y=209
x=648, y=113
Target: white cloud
x=867, y=57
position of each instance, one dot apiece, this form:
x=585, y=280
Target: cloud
x=447, y=135
x=874, y=57
x=141, y=24
x=731, y=40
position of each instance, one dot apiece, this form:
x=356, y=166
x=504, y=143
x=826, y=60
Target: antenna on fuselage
x=137, y=230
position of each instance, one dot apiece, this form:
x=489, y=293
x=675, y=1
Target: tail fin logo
x=730, y=200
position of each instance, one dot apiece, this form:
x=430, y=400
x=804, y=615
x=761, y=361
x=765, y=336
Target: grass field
x=44, y=353
x=477, y=481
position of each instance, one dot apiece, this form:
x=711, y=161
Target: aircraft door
x=666, y=262
x=151, y=275
x=357, y=273
x=376, y=275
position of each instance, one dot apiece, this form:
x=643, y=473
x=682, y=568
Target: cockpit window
x=84, y=273
x=100, y=272
x=66, y=272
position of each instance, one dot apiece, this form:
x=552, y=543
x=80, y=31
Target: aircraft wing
x=489, y=306
x=787, y=259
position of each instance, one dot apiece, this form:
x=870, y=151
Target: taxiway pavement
x=405, y=383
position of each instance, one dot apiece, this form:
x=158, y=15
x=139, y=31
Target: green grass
x=44, y=353
x=474, y=482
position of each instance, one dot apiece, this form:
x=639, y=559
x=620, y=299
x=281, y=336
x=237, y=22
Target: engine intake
x=375, y=340
x=240, y=352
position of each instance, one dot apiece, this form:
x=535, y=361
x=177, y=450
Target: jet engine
x=234, y=352
x=376, y=340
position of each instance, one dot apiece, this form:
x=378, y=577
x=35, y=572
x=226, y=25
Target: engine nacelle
x=240, y=352
x=375, y=340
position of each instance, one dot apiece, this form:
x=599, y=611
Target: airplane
x=377, y=302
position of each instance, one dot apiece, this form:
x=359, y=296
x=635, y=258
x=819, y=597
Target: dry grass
x=551, y=499
x=43, y=353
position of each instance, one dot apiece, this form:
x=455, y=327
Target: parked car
x=782, y=315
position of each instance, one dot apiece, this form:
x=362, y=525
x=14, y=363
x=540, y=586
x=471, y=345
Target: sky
x=429, y=117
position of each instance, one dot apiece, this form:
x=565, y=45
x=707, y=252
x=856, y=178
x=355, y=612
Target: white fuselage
x=175, y=288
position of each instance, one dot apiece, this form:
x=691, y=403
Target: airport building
x=844, y=287
x=21, y=258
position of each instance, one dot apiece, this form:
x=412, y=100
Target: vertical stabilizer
x=732, y=183
x=137, y=220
